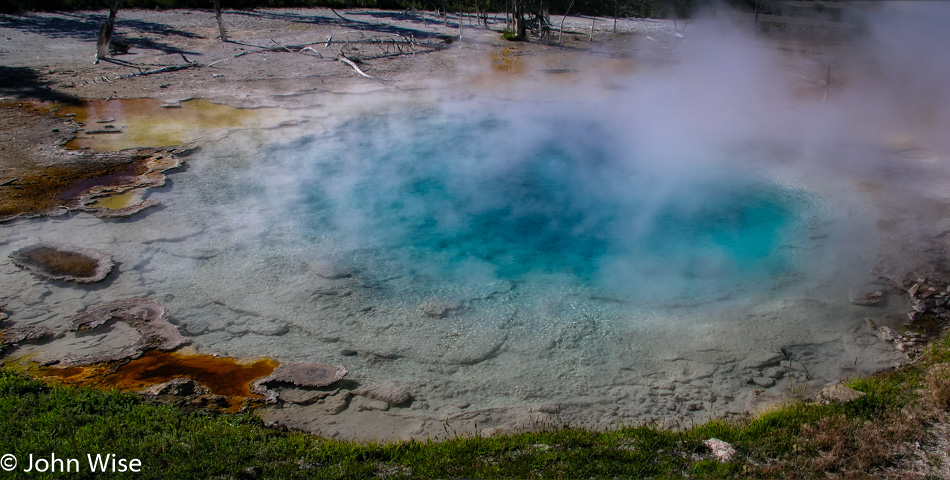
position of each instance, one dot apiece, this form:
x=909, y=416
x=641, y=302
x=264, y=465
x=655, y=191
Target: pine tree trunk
x=520, y=23
x=217, y=15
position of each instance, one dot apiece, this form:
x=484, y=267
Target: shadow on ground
x=85, y=27
x=26, y=82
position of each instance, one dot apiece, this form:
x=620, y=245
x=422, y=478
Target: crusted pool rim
x=102, y=261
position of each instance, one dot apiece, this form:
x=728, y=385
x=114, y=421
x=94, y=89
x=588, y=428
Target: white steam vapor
x=728, y=103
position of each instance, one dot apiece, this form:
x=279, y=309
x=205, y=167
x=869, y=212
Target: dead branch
x=312, y=50
x=170, y=68
x=281, y=46
x=341, y=16
x=97, y=132
x=386, y=44
x=351, y=64
x=560, y=29
x=392, y=45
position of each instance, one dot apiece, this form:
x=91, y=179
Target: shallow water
x=113, y=125
x=492, y=264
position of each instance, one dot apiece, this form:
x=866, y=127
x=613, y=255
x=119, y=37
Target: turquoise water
x=451, y=200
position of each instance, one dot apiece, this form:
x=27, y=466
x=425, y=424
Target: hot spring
x=441, y=201
x=680, y=246
x=498, y=265
x=495, y=263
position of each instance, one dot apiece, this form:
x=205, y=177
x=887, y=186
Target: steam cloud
x=726, y=141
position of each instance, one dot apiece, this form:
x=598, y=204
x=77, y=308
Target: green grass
x=509, y=35
x=799, y=440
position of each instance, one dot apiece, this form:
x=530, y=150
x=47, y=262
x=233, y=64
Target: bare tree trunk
x=520, y=24
x=560, y=29
x=545, y=15
x=105, y=33
x=217, y=15
x=616, y=12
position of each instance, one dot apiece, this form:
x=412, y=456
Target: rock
x=179, y=387
x=387, y=392
x=440, y=308
x=837, y=393
x=12, y=336
x=335, y=404
x=887, y=334
x=763, y=359
x=368, y=405
x=904, y=346
x=147, y=317
x=187, y=394
x=912, y=291
x=301, y=396
x=723, y=451
x=57, y=262
x=764, y=382
x=270, y=329
x=868, y=299
x=312, y=375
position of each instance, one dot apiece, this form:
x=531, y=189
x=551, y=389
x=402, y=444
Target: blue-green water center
x=453, y=199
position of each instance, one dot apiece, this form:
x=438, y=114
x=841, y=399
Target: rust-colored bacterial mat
x=224, y=376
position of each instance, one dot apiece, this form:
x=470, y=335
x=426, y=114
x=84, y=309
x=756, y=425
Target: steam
x=736, y=148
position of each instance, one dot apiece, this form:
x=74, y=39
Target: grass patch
x=509, y=35
x=799, y=440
